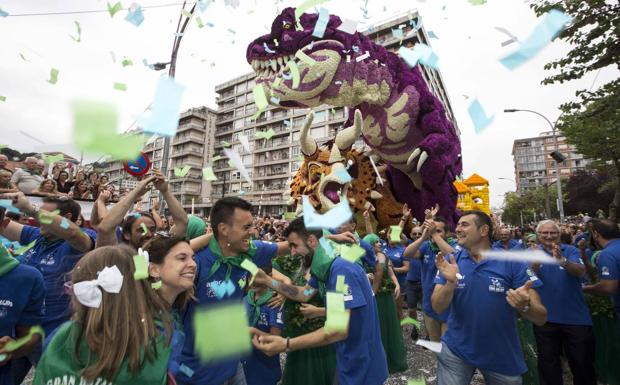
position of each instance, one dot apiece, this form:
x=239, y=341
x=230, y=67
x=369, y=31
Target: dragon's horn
x=348, y=136
x=308, y=144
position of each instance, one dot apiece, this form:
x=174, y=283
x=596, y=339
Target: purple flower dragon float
x=390, y=106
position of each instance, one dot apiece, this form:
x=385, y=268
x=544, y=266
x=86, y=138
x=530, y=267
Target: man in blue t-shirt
x=21, y=307
x=424, y=249
x=569, y=324
x=505, y=241
x=484, y=297
x=607, y=235
x=217, y=263
x=358, y=361
x=56, y=247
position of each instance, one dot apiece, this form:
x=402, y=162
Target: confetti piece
x=25, y=248
x=165, y=109
x=126, y=62
x=203, y=5
x=23, y=57
x=294, y=73
x=199, y=22
x=251, y=267
x=420, y=52
x=529, y=256
x=305, y=58
x=94, y=131
x=156, y=285
x=506, y=32
x=53, y=76
x=47, y=218
x=216, y=158
x=348, y=26
x=477, y=2
x=237, y=162
x=3, y=13
x=397, y=33
x=221, y=331
x=478, y=116
x=226, y=144
x=245, y=142
x=351, y=253
x=186, y=14
x=552, y=24
x=432, y=35
x=181, y=172
x=267, y=49
x=340, y=285
x=395, y=233
x=142, y=268
x=337, y=317
x=2, y=98
x=112, y=10
x=207, y=174
x=145, y=230
x=275, y=100
x=120, y=86
x=265, y=134
x=343, y=175
x=409, y=321
x=241, y=283
x=430, y=345
x=333, y=218
x=321, y=23
x=260, y=98
x=301, y=8
x=79, y=33
x=49, y=159
x=134, y=15
x=362, y=57
x=12, y=346
x=8, y=205
x=416, y=381
x=231, y=30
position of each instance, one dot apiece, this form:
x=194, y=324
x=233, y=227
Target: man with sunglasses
x=54, y=249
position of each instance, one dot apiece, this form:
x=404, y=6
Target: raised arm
x=406, y=215
x=413, y=250
x=176, y=209
x=443, y=293
x=159, y=223
x=99, y=209
x=369, y=229
x=292, y=292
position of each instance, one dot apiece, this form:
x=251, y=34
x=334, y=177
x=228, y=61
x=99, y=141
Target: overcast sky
x=468, y=48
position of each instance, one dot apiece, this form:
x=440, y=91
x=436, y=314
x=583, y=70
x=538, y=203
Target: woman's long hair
x=123, y=327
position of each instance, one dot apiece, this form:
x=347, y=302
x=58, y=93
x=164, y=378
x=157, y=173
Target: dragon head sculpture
x=401, y=120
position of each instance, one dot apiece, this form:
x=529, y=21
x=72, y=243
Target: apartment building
x=534, y=165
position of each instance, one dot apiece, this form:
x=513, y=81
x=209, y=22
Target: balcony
x=224, y=118
x=272, y=161
x=270, y=145
x=178, y=153
x=188, y=162
x=190, y=125
x=282, y=174
x=189, y=138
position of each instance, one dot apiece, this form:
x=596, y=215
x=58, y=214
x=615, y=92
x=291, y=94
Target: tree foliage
x=588, y=191
x=594, y=35
x=530, y=205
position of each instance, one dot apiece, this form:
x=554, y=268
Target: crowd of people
x=112, y=299
x=36, y=177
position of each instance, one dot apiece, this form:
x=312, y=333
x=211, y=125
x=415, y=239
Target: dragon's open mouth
x=269, y=68
x=333, y=191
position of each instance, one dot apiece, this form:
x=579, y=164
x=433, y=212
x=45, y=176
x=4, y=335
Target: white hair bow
x=88, y=292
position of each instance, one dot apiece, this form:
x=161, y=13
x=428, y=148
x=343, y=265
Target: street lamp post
x=557, y=164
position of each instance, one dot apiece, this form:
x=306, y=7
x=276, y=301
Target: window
x=319, y=116
x=239, y=112
x=238, y=123
x=241, y=87
x=318, y=132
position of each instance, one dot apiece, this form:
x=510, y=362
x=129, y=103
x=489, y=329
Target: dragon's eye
x=286, y=26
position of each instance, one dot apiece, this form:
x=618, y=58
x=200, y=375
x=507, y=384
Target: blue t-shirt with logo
x=429, y=271
x=359, y=358
x=609, y=267
x=482, y=326
x=395, y=254
x=259, y=368
x=215, y=373
x=562, y=293
x=21, y=304
x=54, y=259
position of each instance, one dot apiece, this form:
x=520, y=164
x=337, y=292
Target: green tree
x=531, y=205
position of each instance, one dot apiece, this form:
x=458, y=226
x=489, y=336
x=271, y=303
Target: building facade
x=534, y=165
x=272, y=163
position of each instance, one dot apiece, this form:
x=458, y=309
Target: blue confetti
x=267, y=49
x=431, y=35
x=397, y=33
x=186, y=370
x=165, y=110
x=321, y=23
x=275, y=100
x=478, y=116
x=308, y=292
x=420, y=53
x=8, y=205
x=135, y=15
x=64, y=223
x=3, y=13
x=343, y=175
x=355, y=48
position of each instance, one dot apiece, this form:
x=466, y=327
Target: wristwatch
x=563, y=262
x=288, y=345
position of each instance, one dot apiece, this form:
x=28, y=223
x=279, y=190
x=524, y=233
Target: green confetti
x=260, y=97
x=79, y=32
x=186, y=14
x=199, y=22
x=53, y=76
x=94, y=131
x=337, y=317
x=47, y=218
x=142, y=268
x=241, y=283
x=221, y=331
x=416, y=381
x=207, y=174
x=112, y=10
x=126, y=62
x=23, y=249
x=295, y=73
x=409, y=321
x=226, y=144
x=395, y=233
x=156, y=285
x=340, y=285
x=351, y=253
x=49, y=159
x=477, y=2
x=251, y=267
x=216, y=158
x=120, y=86
x=181, y=172
x=2, y=98
x=145, y=230
x=12, y=346
x=305, y=58
x=265, y=134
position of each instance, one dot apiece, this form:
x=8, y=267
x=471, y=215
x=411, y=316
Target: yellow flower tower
x=473, y=194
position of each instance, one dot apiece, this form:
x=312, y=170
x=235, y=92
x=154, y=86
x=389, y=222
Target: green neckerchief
x=257, y=303
x=434, y=246
x=321, y=263
x=59, y=361
x=7, y=263
x=228, y=261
